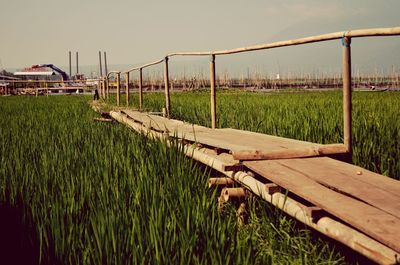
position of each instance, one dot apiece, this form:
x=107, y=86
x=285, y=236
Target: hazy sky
x=43, y=31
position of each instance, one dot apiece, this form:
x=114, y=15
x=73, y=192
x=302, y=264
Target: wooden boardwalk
x=365, y=201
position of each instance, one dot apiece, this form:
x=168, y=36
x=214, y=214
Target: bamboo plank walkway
x=226, y=139
x=359, y=208
x=361, y=199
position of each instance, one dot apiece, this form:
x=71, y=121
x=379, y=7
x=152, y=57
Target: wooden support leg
x=140, y=89
x=213, y=93
x=118, y=88
x=347, y=104
x=127, y=88
x=166, y=81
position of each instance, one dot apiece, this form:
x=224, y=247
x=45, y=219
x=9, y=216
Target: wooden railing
x=345, y=36
x=37, y=86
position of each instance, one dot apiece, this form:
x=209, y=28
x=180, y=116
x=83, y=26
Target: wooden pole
x=101, y=89
x=222, y=181
x=140, y=89
x=347, y=105
x=167, y=96
x=229, y=193
x=107, y=88
x=213, y=93
x=118, y=87
x=127, y=88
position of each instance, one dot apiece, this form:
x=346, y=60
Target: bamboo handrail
x=112, y=72
x=318, y=38
x=189, y=54
x=346, y=40
x=144, y=66
x=325, y=37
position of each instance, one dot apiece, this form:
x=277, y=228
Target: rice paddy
x=98, y=193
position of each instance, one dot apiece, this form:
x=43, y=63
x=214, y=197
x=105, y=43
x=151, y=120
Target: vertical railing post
x=107, y=87
x=140, y=89
x=127, y=88
x=118, y=87
x=213, y=93
x=99, y=87
x=347, y=104
x=166, y=81
x=103, y=90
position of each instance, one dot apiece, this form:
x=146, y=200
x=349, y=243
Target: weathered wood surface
x=371, y=188
x=329, y=149
x=375, y=222
x=227, y=139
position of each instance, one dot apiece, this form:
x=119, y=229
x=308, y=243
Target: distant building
x=38, y=74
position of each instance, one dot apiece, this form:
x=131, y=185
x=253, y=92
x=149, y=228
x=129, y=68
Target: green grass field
x=73, y=191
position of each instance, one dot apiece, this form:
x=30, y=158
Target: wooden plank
x=374, y=189
x=315, y=213
x=268, y=142
x=195, y=133
x=227, y=139
x=232, y=167
x=328, y=149
x=375, y=180
x=284, y=143
x=272, y=188
x=368, y=219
